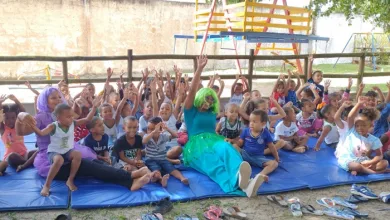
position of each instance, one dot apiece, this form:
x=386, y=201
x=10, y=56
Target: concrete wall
x=110, y=27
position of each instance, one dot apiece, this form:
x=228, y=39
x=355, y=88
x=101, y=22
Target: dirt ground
x=257, y=208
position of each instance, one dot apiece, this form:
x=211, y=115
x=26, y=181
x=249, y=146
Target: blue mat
x=311, y=170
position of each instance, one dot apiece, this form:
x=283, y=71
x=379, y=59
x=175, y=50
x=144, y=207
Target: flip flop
x=185, y=217
x=309, y=209
x=326, y=202
x=235, y=212
x=213, y=213
x=277, y=199
x=355, y=213
x=336, y=213
x=385, y=197
x=356, y=199
x=295, y=209
x=151, y=216
x=340, y=201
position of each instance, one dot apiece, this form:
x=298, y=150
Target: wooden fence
x=251, y=59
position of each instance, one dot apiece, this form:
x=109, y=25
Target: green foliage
x=376, y=11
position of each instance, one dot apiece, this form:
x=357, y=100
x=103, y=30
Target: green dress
x=208, y=153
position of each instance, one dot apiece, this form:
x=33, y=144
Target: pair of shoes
x=163, y=206
x=363, y=191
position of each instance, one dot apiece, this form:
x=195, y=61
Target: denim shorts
x=65, y=156
x=255, y=160
x=164, y=166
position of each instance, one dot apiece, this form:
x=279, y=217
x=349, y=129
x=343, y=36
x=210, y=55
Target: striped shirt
x=157, y=151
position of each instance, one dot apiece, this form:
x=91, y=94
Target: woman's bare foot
x=45, y=191
x=20, y=168
x=71, y=185
x=140, y=182
x=185, y=181
x=164, y=180
x=354, y=173
x=266, y=178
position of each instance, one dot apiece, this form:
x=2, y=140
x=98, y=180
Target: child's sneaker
x=385, y=197
x=363, y=191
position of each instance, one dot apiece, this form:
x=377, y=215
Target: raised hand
x=346, y=104
x=182, y=89
x=186, y=77
x=362, y=100
x=110, y=72
x=327, y=84
x=202, y=61
x=12, y=97
x=361, y=86
x=153, y=86
x=61, y=83
x=288, y=104
x=247, y=95
x=97, y=101
x=157, y=128
x=273, y=100
x=350, y=82
x=3, y=98
x=313, y=87
x=376, y=88
x=27, y=83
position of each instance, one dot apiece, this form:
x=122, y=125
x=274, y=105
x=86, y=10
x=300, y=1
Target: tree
x=376, y=11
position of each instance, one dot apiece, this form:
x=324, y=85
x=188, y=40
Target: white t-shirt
x=142, y=124
x=171, y=124
x=283, y=130
x=333, y=135
x=60, y=141
x=112, y=134
x=237, y=99
x=342, y=132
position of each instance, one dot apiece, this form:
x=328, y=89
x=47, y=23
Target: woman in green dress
x=206, y=151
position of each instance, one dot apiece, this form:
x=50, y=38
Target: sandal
x=309, y=209
x=326, y=202
x=213, y=213
x=277, y=199
x=151, y=216
x=340, y=201
x=337, y=213
x=355, y=213
x=295, y=206
x=185, y=217
x=356, y=199
x=235, y=212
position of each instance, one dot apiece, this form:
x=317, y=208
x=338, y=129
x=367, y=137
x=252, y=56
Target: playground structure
x=369, y=42
x=254, y=22
x=47, y=73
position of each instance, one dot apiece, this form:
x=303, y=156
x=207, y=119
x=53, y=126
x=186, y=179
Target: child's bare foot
x=354, y=173
x=19, y=168
x=140, y=182
x=164, y=180
x=45, y=191
x=71, y=185
x=185, y=181
x=175, y=161
x=266, y=178
x=155, y=176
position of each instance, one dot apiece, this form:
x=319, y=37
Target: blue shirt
x=199, y=122
x=292, y=97
x=98, y=146
x=381, y=126
x=319, y=88
x=255, y=145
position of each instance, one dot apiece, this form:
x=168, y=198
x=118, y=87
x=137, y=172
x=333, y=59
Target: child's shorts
x=256, y=160
x=65, y=156
x=164, y=166
x=343, y=163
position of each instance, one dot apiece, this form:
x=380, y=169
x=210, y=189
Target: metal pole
x=343, y=50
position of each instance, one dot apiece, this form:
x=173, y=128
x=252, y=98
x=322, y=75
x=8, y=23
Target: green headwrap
x=200, y=98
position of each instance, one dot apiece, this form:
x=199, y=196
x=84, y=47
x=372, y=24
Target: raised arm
x=14, y=99
x=147, y=137
x=286, y=88
x=299, y=81
x=221, y=86
x=234, y=84
x=246, y=85
x=179, y=100
x=202, y=61
x=324, y=133
x=380, y=93
x=95, y=104
x=27, y=83
x=279, y=109
x=299, y=91
x=310, y=66
x=317, y=98
x=153, y=90
x=355, y=110
x=360, y=90
x=326, y=91
x=337, y=116
x=211, y=81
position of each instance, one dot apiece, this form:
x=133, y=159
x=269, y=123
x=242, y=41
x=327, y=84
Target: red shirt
x=80, y=132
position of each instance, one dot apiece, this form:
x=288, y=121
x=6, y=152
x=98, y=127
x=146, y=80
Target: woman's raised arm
x=202, y=61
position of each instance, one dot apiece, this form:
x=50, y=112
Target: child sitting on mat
x=16, y=154
x=156, y=152
x=385, y=140
x=253, y=141
x=307, y=120
x=287, y=130
x=128, y=146
x=238, y=91
x=329, y=132
x=60, y=149
x=230, y=125
x=355, y=154
x=97, y=140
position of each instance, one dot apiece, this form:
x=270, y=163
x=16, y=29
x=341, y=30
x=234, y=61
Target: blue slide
x=311, y=170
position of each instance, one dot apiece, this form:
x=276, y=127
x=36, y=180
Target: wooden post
x=306, y=68
x=65, y=71
x=129, y=65
x=362, y=61
x=250, y=67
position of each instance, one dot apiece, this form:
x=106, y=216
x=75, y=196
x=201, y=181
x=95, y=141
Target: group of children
x=132, y=127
